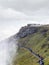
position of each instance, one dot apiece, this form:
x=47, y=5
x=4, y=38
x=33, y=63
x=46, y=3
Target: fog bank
x=8, y=49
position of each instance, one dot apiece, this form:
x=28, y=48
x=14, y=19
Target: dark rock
x=31, y=29
x=27, y=30
x=44, y=31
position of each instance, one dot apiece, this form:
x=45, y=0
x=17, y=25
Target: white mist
x=8, y=49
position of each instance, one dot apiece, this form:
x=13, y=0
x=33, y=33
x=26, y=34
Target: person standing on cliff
x=41, y=62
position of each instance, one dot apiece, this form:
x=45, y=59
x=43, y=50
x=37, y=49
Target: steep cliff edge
x=35, y=37
x=31, y=29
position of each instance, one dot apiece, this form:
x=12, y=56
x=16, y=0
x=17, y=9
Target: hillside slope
x=37, y=40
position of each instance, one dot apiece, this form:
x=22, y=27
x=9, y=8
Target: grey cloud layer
x=25, y=4
x=34, y=9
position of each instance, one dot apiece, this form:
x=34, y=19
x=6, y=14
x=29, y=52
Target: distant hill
x=35, y=37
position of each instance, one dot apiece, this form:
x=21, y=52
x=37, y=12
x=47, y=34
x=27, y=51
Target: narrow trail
x=41, y=59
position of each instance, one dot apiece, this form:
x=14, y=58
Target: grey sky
x=25, y=4
x=17, y=13
x=32, y=8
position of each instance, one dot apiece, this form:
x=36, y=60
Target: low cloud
x=10, y=14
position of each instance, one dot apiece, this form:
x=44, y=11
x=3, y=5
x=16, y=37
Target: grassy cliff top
x=38, y=42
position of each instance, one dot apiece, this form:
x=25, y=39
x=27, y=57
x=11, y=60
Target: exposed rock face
x=27, y=30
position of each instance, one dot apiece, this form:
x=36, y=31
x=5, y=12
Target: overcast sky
x=17, y=13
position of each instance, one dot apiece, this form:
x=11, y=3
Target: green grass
x=39, y=44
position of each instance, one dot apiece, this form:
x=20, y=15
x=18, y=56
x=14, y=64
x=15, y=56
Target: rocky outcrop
x=27, y=30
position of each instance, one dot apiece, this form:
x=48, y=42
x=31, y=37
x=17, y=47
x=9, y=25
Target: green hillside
x=39, y=43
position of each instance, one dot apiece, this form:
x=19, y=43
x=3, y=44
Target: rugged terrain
x=35, y=37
